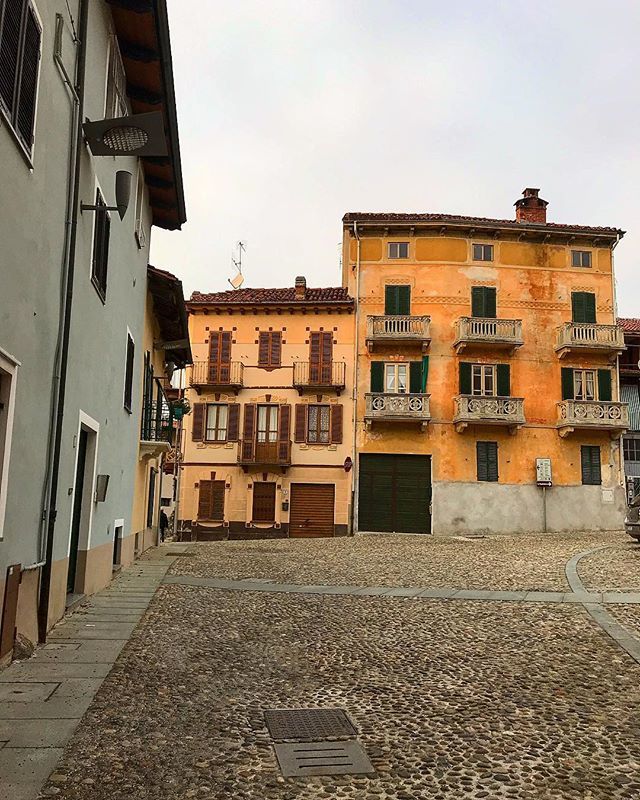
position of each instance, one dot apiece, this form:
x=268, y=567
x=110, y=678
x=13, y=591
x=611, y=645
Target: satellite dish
x=237, y=280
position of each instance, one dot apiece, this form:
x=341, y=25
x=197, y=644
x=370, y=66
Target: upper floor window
x=20, y=37
x=100, y=259
x=128, y=374
x=483, y=252
x=395, y=378
x=267, y=427
x=215, y=422
x=269, y=349
x=115, y=104
x=485, y=380
x=483, y=301
x=631, y=449
x=583, y=307
x=586, y=384
x=320, y=357
x=397, y=300
x=217, y=416
x=580, y=258
x=318, y=424
x=398, y=249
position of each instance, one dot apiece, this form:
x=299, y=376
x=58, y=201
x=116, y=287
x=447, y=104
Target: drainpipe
x=356, y=465
x=621, y=476
x=62, y=349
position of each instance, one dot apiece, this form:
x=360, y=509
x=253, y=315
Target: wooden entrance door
x=394, y=493
x=264, y=502
x=312, y=510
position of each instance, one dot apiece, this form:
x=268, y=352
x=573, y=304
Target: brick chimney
x=531, y=208
x=301, y=287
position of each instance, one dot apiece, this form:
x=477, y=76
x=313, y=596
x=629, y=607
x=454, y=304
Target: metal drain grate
x=308, y=724
x=322, y=758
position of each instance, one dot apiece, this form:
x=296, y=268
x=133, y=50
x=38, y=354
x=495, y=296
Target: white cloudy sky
x=292, y=113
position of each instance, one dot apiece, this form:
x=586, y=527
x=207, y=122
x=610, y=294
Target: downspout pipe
x=622, y=478
x=356, y=466
x=62, y=357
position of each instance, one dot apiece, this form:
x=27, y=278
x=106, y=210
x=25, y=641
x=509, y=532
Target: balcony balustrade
x=316, y=377
x=398, y=329
x=216, y=377
x=488, y=333
x=589, y=337
x=592, y=415
x=156, y=426
x=388, y=407
x=264, y=454
x=471, y=410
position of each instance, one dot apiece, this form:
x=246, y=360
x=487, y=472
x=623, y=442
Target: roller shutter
x=312, y=510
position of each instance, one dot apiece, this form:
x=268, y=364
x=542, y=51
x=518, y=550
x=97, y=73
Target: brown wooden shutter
x=264, y=502
x=214, y=356
x=336, y=424
x=314, y=358
x=217, y=501
x=263, y=349
x=284, y=432
x=326, y=357
x=301, y=423
x=276, y=349
x=225, y=356
x=205, y=495
x=197, y=428
x=233, y=425
x=249, y=432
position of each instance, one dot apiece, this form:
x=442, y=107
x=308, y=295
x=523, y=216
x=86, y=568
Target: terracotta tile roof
x=629, y=324
x=332, y=294
x=357, y=216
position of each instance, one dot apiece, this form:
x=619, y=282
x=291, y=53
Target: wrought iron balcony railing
x=592, y=414
x=210, y=375
x=251, y=451
x=388, y=407
x=488, y=332
x=402, y=329
x=157, y=415
x=589, y=337
x=310, y=376
x=472, y=410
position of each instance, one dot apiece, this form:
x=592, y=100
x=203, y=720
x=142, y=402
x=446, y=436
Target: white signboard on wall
x=543, y=472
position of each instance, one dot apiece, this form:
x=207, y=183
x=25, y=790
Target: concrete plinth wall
x=466, y=508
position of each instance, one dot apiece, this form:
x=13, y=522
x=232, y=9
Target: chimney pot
x=531, y=208
x=301, y=287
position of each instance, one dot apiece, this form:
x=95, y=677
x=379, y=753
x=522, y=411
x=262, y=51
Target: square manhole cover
x=302, y=759
x=308, y=724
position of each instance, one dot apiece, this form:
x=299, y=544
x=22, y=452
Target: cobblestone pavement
x=453, y=700
x=531, y=563
x=614, y=568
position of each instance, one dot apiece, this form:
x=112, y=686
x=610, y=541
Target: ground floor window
x=264, y=502
x=211, y=500
x=590, y=460
x=487, y=461
x=631, y=449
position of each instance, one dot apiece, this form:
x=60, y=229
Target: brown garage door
x=311, y=509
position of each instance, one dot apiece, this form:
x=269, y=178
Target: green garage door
x=394, y=493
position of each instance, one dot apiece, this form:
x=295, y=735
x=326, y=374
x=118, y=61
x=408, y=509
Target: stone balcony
x=592, y=415
x=488, y=333
x=398, y=329
x=388, y=407
x=504, y=411
x=589, y=337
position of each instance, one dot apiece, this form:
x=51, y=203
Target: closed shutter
x=205, y=494
x=487, y=461
x=26, y=107
x=415, y=377
x=503, y=380
x=284, y=433
x=394, y=493
x=465, y=378
x=583, y=306
x=300, y=434
x=220, y=357
x=336, y=424
x=263, y=349
x=11, y=24
x=269, y=348
x=377, y=376
x=397, y=300
x=483, y=301
x=590, y=307
x=604, y=385
x=128, y=374
x=217, y=501
x=320, y=357
x=314, y=358
x=567, y=383
x=312, y=510
x=276, y=349
x=233, y=425
x=590, y=462
x=404, y=300
x=197, y=425
x=264, y=502
x=249, y=432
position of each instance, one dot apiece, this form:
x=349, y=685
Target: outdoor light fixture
x=123, y=194
x=135, y=135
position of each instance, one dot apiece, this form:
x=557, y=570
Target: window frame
x=581, y=377
x=489, y=447
x=399, y=247
x=395, y=367
x=629, y=444
x=484, y=248
x=99, y=277
x=217, y=429
x=271, y=413
x=581, y=257
x=319, y=430
x=483, y=371
x=115, y=73
x=129, y=369
x=9, y=368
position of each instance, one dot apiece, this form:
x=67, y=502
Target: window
x=590, y=460
x=398, y=250
x=483, y=380
x=395, y=378
x=217, y=420
x=483, y=301
x=267, y=424
x=151, y=497
x=219, y=368
x=487, y=461
x=320, y=357
x=211, y=500
x=115, y=104
x=583, y=306
x=165, y=502
x=483, y=252
x=584, y=384
x=269, y=349
x=8, y=375
x=318, y=424
x=20, y=36
x=264, y=502
x=580, y=258
x=397, y=300
x=101, y=229
x=631, y=449
x=128, y=374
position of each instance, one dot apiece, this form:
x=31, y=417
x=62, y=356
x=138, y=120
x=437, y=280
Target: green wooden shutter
x=481, y=461
x=590, y=464
x=589, y=307
x=415, y=377
x=583, y=306
x=477, y=301
x=490, y=302
x=391, y=300
x=465, y=378
x=604, y=385
x=503, y=380
x=425, y=372
x=404, y=299
x=377, y=376
x=487, y=461
x=567, y=383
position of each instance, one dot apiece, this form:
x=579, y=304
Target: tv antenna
x=238, y=279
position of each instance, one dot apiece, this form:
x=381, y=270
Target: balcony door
x=320, y=358
x=267, y=432
x=219, y=357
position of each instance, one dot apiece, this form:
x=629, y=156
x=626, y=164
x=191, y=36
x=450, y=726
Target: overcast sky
x=292, y=113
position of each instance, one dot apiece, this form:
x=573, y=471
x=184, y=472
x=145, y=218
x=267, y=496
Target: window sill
x=26, y=155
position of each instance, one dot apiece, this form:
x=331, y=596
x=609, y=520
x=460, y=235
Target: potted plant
x=180, y=407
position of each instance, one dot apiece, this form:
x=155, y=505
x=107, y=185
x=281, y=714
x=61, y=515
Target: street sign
x=543, y=472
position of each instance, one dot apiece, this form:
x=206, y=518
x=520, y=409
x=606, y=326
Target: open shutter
x=567, y=383
x=465, y=378
x=377, y=376
x=225, y=357
x=589, y=307
x=301, y=423
x=336, y=424
x=263, y=349
x=276, y=349
x=415, y=377
x=490, y=302
x=197, y=427
x=326, y=358
x=477, y=301
x=249, y=432
x=25, y=112
x=233, y=425
x=390, y=300
x=425, y=373
x=205, y=497
x=314, y=357
x=578, y=308
x=604, y=385
x=503, y=380
x=10, y=24
x=284, y=433
x=404, y=300
x=481, y=461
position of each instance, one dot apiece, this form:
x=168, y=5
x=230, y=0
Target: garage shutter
x=312, y=510
x=394, y=493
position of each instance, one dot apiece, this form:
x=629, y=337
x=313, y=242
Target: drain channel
x=323, y=758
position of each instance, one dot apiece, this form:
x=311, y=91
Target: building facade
x=483, y=345
x=267, y=446
x=630, y=393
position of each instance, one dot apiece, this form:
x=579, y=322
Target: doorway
x=78, y=502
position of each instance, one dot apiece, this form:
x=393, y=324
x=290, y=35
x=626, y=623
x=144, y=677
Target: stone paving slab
x=59, y=708
x=37, y=732
x=24, y=770
x=34, y=670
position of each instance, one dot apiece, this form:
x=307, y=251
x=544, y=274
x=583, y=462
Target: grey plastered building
x=630, y=392
x=74, y=288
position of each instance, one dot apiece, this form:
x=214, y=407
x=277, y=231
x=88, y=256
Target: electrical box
x=543, y=472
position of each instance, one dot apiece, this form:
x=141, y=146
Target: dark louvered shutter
x=487, y=461
x=314, y=357
x=26, y=106
x=604, y=385
x=205, y=495
x=10, y=27
x=415, y=377
x=336, y=424
x=275, y=357
x=425, y=372
x=503, y=380
x=214, y=356
x=590, y=463
x=590, y=307
x=198, y=423
x=225, y=356
x=284, y=433
x=128, y=374
x=377, y=376
x=301, y=423
x=217, y=501
x=326, y=358
x=263, y=349
x=233, y=426
x=390, y=300
x=404, y=300
x=583, y=306
x=483, y=301
x=490, y=302
x=567, y=383
x=465, y=378
x=249, y=432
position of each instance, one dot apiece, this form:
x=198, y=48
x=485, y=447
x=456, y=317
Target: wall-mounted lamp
x=123, y=195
